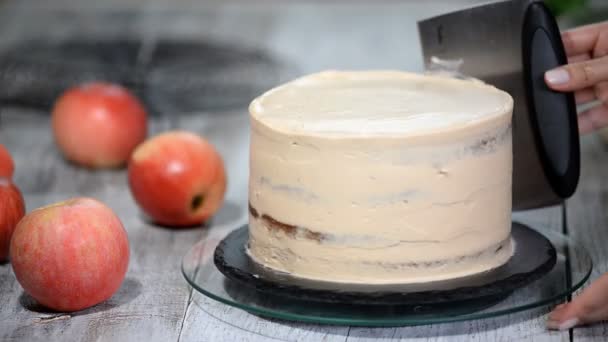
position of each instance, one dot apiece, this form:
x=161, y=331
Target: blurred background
x=188, y=56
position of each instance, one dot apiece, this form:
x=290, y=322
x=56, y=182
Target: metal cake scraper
x=510, y=44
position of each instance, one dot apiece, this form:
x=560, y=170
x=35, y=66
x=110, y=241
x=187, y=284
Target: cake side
x=280, y=257
x=382, y=207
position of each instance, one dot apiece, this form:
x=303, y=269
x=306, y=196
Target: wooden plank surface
x=153, y=298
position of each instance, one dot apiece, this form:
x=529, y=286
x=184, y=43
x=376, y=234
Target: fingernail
x=557, y=76
x=568, y=324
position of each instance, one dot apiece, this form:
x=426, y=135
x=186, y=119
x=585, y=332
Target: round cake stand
x=561, y=280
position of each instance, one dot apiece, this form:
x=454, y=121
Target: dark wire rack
x=170, y=76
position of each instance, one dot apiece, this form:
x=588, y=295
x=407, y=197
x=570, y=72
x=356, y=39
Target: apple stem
x=197, y=201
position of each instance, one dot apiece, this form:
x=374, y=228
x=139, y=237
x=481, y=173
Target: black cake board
x=533, y=257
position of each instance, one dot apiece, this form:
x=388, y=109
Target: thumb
x=577, y=76
x=588, y=307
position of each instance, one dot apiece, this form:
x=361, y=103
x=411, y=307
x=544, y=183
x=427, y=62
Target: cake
x=380, y=177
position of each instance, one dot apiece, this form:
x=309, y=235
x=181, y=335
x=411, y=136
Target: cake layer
x=296, y=250
x=368, y=179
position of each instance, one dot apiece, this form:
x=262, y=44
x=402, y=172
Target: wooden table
x=155, y=303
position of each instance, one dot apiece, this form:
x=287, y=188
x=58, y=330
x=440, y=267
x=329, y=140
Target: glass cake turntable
x=538, y=274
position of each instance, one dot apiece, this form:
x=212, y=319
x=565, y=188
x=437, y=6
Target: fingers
x=579, y=58
x=589, y=307
x=584, y=96
x=558, y=318
x=593, y=119
x=601, y=45
x=587, y=50
x=578, y=76
x=583, y=39
x=599, y=92
x=596, y=117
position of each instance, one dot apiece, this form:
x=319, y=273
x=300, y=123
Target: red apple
x=70, y=255
x=12, y=209
x=177, y=178
x=98, y=125
x=7, y=167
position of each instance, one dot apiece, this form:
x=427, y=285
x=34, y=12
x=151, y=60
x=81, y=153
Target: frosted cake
x=380, y=177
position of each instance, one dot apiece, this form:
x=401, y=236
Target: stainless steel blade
x=487, y=40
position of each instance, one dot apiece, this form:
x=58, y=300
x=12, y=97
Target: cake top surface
x=362, y=103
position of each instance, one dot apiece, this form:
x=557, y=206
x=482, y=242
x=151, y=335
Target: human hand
x=586, y=73
x=588, y=307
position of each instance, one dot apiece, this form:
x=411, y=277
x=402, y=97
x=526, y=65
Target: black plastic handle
x=552, y=114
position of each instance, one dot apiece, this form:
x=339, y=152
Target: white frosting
x=370, y=188
x=372, y=103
